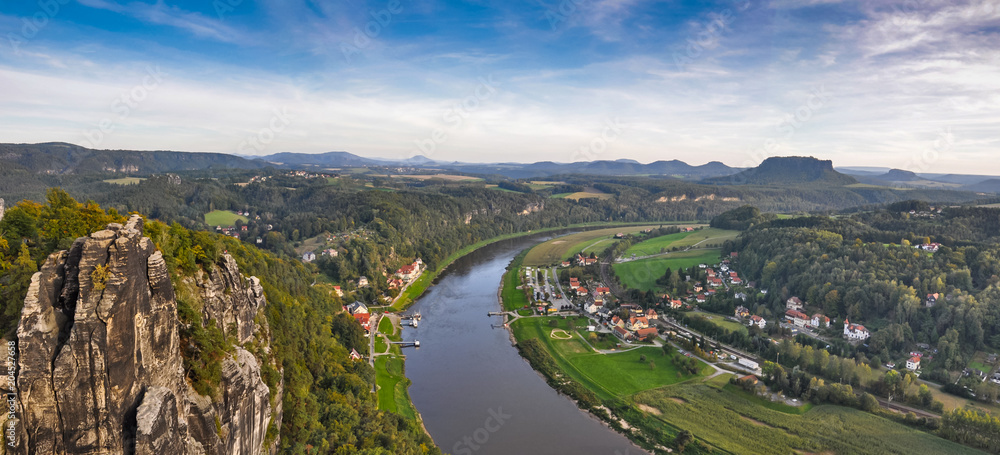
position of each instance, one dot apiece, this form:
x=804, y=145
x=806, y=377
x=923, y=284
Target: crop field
x=223, y=218
x=608, y=375
x=642, y=274
x=562, y=248
x=125, y=181
x=733, y=420
x=448, y=177
x=586, y=194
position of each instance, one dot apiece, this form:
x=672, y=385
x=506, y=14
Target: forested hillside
x=328, y=407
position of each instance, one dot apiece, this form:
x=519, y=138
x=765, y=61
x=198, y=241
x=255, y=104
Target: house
x=396, y=283
x=932, y=247
x=651, y=314
x=793, y=303
x=734, y=254
x=855, y=331
x=582, y=291
x=700, y=298
x=749, y=379
x=566, y=263
x=676, y=303
x=646, y=334
x=931, y=299
x=740, y=295
x=332, y=252
x=698, y=288
x=338, y=291
x=593, y=307
x=636, y=323
x=742, y=312
x=736, y=281
x=590, y=261
x=714, y=282
x=710, y=273
x=574, y=283
x=747, y=363
x=408, y=271
x=355, y=355
x=617, y=322
x=357, y=308
x=363, y=319
x=819, y=321
x=362, y=282
x=913, y=363
x=733, y=275
x=602, y=290
x=598, y=298
x=308, y=256
x=796, y=317
x=758, y=321
x=625, y=335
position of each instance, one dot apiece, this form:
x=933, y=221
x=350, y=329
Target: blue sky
x=913, y=84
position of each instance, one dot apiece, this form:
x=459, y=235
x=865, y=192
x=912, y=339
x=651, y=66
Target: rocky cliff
x=100, y=363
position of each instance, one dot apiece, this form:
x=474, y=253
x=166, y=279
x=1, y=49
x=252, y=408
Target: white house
x=593, y=307
x=793, y=303
x=855, y=331
x=797, y=317
x=362, y=282
x=758, y=321
x=913, y=363
x=308, y=256
x=819, y=321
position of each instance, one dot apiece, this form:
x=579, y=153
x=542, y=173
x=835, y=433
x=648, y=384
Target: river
x=474, y=391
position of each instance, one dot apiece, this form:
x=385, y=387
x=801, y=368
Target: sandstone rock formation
x=100, y=363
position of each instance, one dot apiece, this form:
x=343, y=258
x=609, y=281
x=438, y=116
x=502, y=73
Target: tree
x=683, y=439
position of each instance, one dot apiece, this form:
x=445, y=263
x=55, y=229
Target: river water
x=474, y=391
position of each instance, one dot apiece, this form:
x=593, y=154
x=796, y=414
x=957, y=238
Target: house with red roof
x=582, y=291
x=602, y=290
x=796, y=317
x=855, y=331
x=913, y=364
x=646, y=334
x=636, y=323
x=651, y=314
x=715, y=282
x=758, y=321
x=363, y=319
x=622, y=333
x=700, y=298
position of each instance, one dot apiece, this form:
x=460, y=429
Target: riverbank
x=420, y=285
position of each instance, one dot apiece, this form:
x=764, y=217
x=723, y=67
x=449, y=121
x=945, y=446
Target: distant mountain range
x=57, y=158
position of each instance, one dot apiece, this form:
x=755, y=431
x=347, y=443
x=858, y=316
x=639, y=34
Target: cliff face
x=100, y=365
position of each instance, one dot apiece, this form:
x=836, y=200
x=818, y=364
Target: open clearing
x=642, y=274
x=720, y=321
x=681, y=240
x=587, y=194
x=223, y=218
x=125, y=181
x=608, y=375
x=561, y=248
x=735, y=421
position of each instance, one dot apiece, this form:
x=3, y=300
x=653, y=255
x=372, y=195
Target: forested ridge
x=328, y=407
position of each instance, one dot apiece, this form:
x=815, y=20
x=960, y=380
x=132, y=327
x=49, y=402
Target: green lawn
x=738, y=422
x=223, y=218
x=642, y=274
x=720, y=321
x=562, y=248
x=608, y=375
x=511, y=297
x=392, y=385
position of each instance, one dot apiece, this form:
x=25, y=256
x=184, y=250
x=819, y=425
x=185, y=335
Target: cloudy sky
x=913, y=85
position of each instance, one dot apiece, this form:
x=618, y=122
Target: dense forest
x=328, y=407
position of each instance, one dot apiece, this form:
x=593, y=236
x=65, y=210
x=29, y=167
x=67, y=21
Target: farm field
x=587, y=194
x=608, y=375
x=735, y=421
x=223, y=218
x=720, y=321
x=561, y=248
x=642, y=274
x=125, y=181
x=449, y=177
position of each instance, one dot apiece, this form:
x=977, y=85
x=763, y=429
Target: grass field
x=585, y=194
x=448, y=177
x=720, y=321
x=738, y=422
x=642, y=274
x=392, y=385
x=223, y=218
x=608, y=375
x=511, y=297
x=561, y=248
x=125, y=181
x=681, y=240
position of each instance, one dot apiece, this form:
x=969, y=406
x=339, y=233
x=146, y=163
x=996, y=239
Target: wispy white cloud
x=162, y=14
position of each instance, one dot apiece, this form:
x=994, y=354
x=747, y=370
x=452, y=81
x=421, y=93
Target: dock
x=406, y=344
